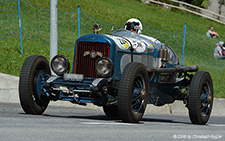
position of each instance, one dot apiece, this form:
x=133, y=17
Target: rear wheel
x=133, y=93
x=34, y=72
x=111, y=111
x=200, y=98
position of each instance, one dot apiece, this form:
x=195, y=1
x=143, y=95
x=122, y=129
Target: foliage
x=194, y=2
x=221, y=2
x=205, y=4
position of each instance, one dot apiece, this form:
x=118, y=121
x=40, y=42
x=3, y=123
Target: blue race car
x=122, y=72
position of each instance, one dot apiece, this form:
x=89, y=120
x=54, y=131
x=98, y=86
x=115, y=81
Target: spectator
x=212, y=33
x=218, y=52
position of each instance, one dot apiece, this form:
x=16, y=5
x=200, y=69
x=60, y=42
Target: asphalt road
x=85, y=124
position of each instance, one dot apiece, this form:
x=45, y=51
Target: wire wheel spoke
x=205, y=109
x=137, y=101
x=136, y=98
x=204, y=98
x=137, y=106
x=138, y=84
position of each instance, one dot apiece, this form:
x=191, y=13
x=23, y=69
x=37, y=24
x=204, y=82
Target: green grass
x=116, y=12
x=12, y=60
x=217, y=77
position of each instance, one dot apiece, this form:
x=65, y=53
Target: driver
x=134, y=25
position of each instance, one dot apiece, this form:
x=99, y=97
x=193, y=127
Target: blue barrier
x=182, y=60
x=20, y=27
x=78, y=10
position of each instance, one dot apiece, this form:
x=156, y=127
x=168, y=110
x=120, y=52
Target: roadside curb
x=9, y=87
x=9, y=93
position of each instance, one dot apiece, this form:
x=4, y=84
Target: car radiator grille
x=84, y=64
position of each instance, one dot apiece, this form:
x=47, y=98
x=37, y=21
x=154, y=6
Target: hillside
x=115, y=12
x=118, y=11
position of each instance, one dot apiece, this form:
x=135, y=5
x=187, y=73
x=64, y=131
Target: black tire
x=133, y=92
x=111, y=111
x=33, y=68
x=200, y=98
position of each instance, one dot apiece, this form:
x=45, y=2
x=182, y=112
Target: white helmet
x=134, y=24
x=220, y=43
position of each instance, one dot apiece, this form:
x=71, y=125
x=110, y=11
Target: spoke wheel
x=34, y=72
x=133, y=93
x=200, y=98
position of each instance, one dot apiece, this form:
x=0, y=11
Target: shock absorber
x=165, y=54
x=160, y=56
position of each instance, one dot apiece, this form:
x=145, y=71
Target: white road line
x=217, y=125
x=105, y=123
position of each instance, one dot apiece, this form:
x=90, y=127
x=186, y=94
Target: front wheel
x=34, y=72
x=133, y=93
x=200, y=98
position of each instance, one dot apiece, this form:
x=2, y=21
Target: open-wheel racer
x=122, y=72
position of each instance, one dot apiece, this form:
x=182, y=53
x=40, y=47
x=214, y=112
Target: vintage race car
x=122, y=72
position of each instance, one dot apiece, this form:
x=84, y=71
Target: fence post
x=78, y=10
x=38, y=22
x=21, y=37
x=53, y=29
x=182, y=61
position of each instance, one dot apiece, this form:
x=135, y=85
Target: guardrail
x=183, y=6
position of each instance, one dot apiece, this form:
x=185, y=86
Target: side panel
x=124, y=57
